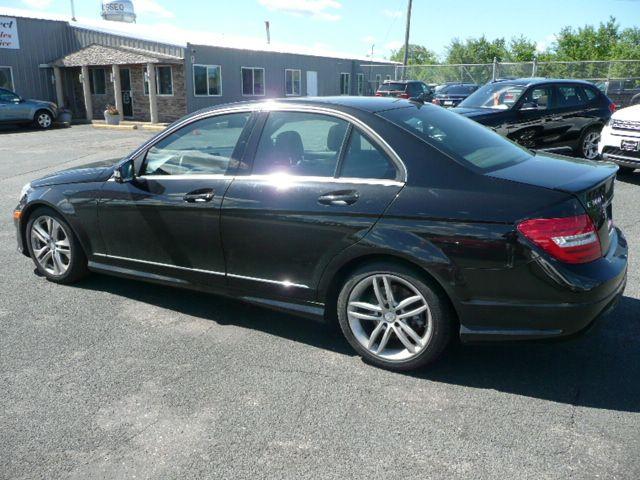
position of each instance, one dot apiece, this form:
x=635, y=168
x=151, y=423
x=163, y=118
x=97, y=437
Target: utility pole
x=406, y=40
x=73, y=11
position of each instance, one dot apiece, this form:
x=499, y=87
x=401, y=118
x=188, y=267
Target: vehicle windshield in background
x=494, y=95
x=391, y=87
x=461, y=138
x=457, y=89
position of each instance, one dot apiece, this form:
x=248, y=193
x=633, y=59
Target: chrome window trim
x=284, y=283
x=269, y=106
x=187, y=176
x=277, y=178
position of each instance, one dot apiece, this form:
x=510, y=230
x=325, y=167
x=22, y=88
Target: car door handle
x=199, y=196
x=553, y=118
x=342, y=197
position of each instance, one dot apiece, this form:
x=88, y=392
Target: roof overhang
x=100, y=55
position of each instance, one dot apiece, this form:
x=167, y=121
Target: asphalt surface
x=120, y=379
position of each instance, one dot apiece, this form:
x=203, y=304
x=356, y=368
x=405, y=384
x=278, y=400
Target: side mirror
x=125, y=172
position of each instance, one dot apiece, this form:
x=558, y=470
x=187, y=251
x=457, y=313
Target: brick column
x=153, y=101
x=117, y=90
x=57, y=75
x=86, y=91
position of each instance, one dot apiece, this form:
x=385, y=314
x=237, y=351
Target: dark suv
x=543, y=114
x=451, y=94
x=405, y=89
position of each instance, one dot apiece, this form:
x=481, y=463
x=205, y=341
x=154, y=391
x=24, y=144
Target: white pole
x=73, y=11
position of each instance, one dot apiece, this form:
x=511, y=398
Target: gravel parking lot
x=114, y=378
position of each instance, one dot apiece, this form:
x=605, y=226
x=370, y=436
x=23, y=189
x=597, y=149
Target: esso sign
x=119, y=11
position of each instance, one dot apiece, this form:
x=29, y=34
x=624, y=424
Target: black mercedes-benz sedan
x=563, y=116
x=404, y=222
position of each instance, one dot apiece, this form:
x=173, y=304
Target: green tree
x=588, y=42
x=521, y=49
x=418, y=55
x=477, y=50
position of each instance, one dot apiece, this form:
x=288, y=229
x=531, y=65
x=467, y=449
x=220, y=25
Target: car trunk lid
x=591, y=182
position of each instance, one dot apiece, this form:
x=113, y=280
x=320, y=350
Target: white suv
x=620, y=139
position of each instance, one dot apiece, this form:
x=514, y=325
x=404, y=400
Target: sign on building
x=9, y=33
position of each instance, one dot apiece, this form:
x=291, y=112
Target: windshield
x=494, y=95
x=391, y=87
x=457, y=89
x=461, y=138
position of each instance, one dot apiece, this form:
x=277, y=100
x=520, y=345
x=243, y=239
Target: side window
x=297, y=143
x=589, y=93
x=568, y=96
x=203, y=147
x=363, y=159
x=538, y=98
x=7, y=97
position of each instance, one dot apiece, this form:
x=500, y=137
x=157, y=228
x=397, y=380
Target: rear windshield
x=392, y=87
x=461, y=138
x=458, y=89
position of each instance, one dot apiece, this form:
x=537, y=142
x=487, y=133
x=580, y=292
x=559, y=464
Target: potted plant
x=112, y=115
x=64, y=116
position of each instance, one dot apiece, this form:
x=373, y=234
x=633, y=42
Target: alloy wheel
x=590, y=145
x=50, y=245
x=44, y=120
x=389, y=317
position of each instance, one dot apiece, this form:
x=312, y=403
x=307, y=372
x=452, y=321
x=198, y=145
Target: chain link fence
x=620, y=79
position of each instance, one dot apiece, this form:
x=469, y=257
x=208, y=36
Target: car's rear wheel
x=54, y=248
x=393, y=317
x=589, y=143
x=42, y=119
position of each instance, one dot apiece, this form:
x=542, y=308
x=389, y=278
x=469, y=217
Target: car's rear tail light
x=404, y=95
x=435, y=101
x=378, y=94
x=569, y=239
x=612, y=107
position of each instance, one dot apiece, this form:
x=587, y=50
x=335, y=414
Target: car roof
x=361, y=103
x=540, y=80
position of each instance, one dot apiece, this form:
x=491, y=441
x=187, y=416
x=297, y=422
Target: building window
x=387, y=77
x=164, y=81
x=292, y=82
x=6, y=78
x=207, y=80
x=97, y=81
x=345, y=83
x=360, y=80
x=378, y=81
x=252, y=81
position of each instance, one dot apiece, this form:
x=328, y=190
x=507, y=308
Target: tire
x=431, y=325
x=588, y=143
x=47, y=231
x=43, y=120
x=625, y=170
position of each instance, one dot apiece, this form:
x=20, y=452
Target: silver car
x=16, y=110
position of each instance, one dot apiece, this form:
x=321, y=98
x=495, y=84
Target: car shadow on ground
x=632, y=178
x=599, y=370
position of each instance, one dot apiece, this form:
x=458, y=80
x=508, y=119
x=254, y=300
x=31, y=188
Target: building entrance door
x=125, y=87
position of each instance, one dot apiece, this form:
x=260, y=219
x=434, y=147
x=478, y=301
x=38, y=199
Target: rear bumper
x=491, y=321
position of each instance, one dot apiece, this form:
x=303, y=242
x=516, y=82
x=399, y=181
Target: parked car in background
x=622, y=92
x=405, y=89
x=543, y=114
x=402, y=221
x=620, y=139
x=16, y=110
x=452, y=94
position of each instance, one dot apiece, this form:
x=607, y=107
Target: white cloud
x=545, y=43
x=310, y=8
x=152, y=7
x=39, y=4
x=392, y=13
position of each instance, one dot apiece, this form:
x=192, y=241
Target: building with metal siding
x=52, y=49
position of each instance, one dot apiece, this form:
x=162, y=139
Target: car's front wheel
x=42, y=119
x=393, y=317
x=54, y=248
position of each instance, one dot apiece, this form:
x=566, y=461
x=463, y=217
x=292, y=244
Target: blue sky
x=354, y=25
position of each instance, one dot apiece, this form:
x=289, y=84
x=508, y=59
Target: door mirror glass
x=125, y=172
x=529, y=106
